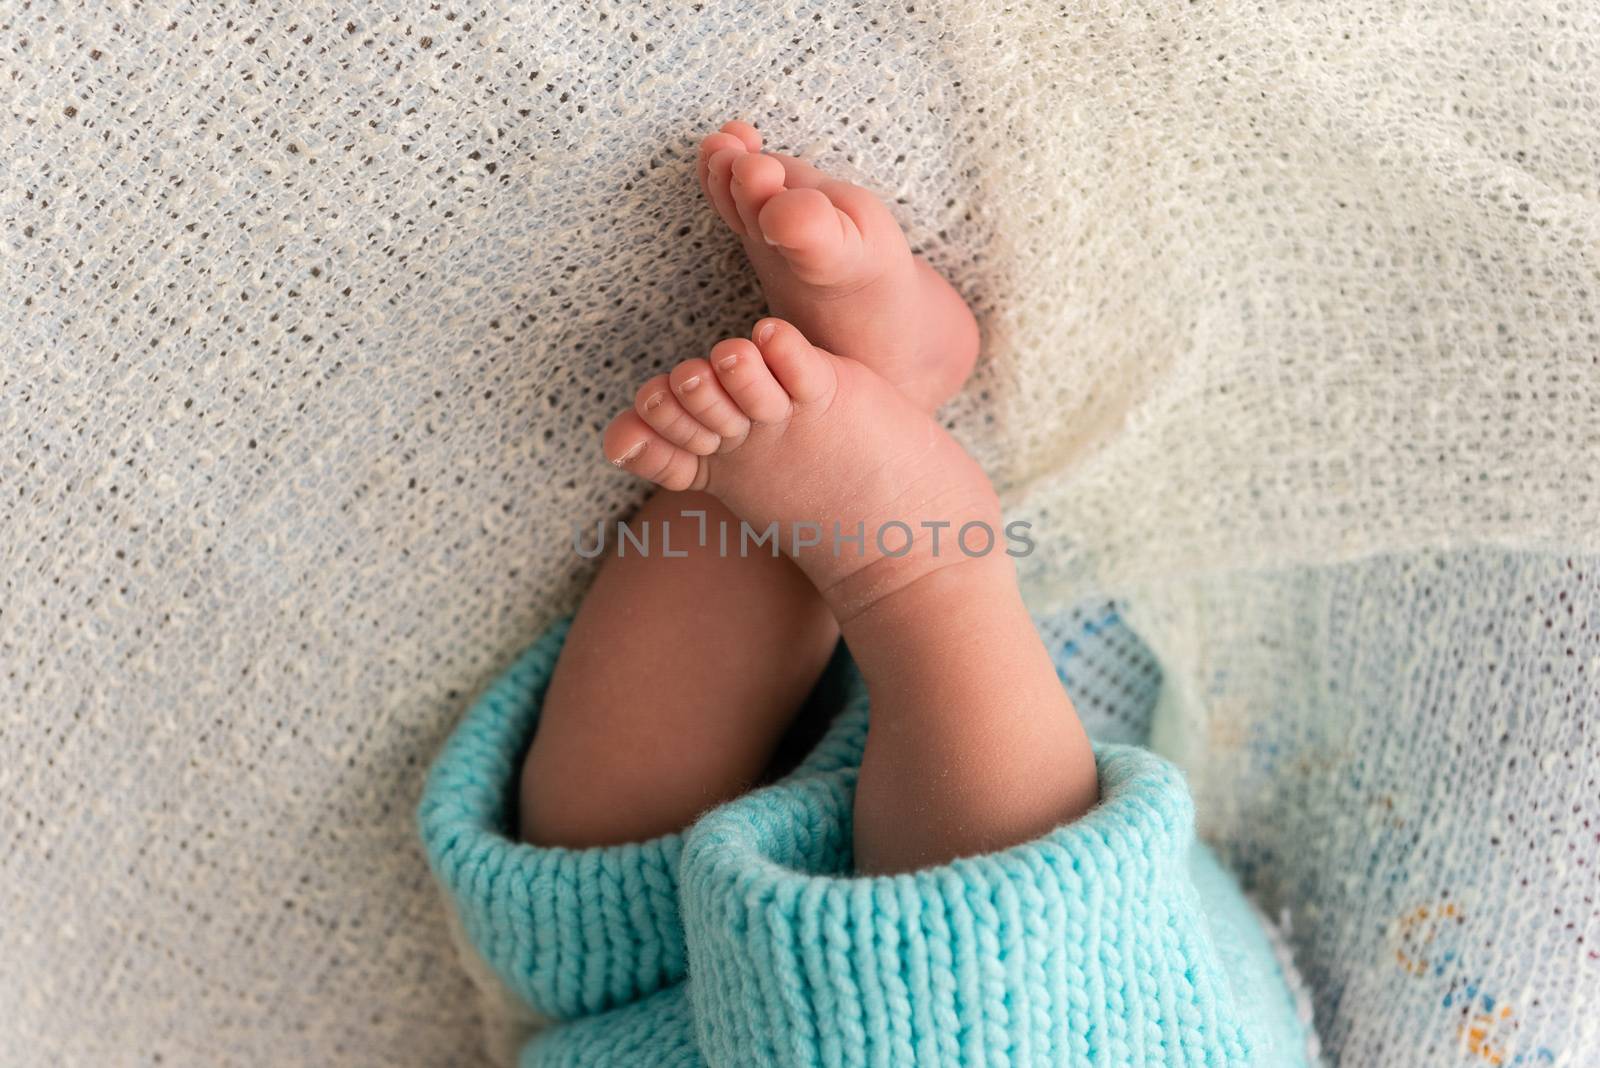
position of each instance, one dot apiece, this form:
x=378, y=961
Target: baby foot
x=832, y=260
x=868, y=492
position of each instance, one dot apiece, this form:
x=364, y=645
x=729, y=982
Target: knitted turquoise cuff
x=657, y=1032
x=571, y=932
x=1086, y=946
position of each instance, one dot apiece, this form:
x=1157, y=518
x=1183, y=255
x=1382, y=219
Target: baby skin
x=680, y=674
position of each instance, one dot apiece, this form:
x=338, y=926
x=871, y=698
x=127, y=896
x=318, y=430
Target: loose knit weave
x=311, y=310
x=745, y=941
x=1402, y=755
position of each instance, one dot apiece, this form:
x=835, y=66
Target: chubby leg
x=680, y=675
x=676, y=684
x=974, y=745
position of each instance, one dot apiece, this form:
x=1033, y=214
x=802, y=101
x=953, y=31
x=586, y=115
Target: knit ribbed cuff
x=1084, y=946
x=571, y=932
x=657, y=1032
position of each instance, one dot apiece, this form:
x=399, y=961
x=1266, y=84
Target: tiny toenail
x=764, y=331
x=727, y=362
x=630, y=454
x=654, y=402
x=689, y=383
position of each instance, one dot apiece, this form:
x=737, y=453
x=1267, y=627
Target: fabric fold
x=657, y=1032
x=1088, y=945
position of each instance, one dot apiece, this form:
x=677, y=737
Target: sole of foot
x=868, y=494
x=833, y=261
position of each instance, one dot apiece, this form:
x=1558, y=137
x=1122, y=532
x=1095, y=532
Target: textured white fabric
x=1403, y=755
x=311, y=311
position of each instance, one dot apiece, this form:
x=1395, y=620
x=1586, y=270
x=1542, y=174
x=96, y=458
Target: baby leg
x=642, y=730
x=974, y=745
x=677, y=680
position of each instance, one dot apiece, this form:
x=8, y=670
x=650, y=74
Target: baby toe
x=718, y=177
x=633, y=446
x=713, y=144
x=814, y=236
x=743, y=373
x=797, y=173
x=661, y=411
x=746, y=134
x=804, y=371
x=755, y=180
x=709, y=403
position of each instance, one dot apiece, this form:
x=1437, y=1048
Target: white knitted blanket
x=311, y=312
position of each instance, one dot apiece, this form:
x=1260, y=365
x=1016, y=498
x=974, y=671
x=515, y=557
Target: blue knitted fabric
x=1114, y=940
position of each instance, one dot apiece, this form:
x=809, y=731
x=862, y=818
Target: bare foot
x=784, y=432
x=833, y=261
x=973, y=744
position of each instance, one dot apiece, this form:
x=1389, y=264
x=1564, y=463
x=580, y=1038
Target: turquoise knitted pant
x=745, y=940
